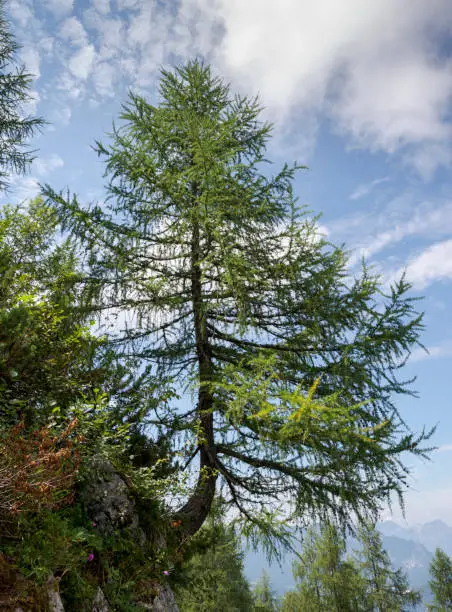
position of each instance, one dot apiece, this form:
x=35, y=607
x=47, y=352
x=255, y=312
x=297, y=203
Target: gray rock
x=100, y=604
x=107, y=501
x=55, y=603
x=165, y=602
x=106, y=498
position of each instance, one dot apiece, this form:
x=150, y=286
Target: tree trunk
x=197, y=508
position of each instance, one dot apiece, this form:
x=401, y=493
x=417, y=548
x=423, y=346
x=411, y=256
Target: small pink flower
x=166, y=572
x=94, y=524
x=91, y=557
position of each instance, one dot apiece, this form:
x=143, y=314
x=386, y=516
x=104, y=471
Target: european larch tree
x=265, y=599
x=231, y=292
x=440, y=581
x=324, y=578
x=386, y=588
x=363, y=582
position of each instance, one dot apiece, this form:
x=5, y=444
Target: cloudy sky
x=359, y=91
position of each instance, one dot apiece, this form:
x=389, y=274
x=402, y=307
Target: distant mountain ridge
x=432, y=535
x=410, y=548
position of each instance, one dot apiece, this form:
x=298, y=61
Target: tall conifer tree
x=231, y=291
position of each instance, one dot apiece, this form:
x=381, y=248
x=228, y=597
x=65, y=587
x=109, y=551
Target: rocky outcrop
x=55, y=603
x=164, y=602
x=108, y=503
x=106, y=499
x=100, y=604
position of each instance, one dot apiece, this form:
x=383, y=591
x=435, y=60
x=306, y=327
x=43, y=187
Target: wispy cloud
x=444, y=448
x=21, y=189
x=369, y=233
x=375, y=71
x=59, y=115
x=365, y=189
x=433, y=264
x=43, y=166
x=434, y=352
x=59, y=8
x=425, y=160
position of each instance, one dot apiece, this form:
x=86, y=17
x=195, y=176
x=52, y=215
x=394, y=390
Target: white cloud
x=72, y=88
x=444, y=448
x=386, y=105
x=113, y=40
x=110, y=37
x=434, y=352
x=374, y=70
x=60, y=115
x=365, y=189
x=81, y=62
x=72, y=30
x=21, y=189
x=141, y=26
x=433, y=264
x=46, y=45
x=31, y=60
x=20, y=12
x=46, y=165
x=104, y=78
x=373, y=67
x=102, y=6
x=59, y=8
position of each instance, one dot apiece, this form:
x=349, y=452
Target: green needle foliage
x=265, y=599
x=14, y=92
x=231, y=292
x=213, y=578
x=46, y=349
x=441, y=581
x=325, y=579
x=385, y=588
x=364, y=582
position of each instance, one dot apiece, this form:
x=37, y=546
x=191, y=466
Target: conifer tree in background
x=441, y=581
x=385, y=588
x=325, y=580
x=362, y=582
x=265, y=599
x=231, y=293
x=213, y=577
x=14, y=92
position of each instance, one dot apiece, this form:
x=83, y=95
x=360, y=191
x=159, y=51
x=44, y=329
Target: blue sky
x=359, y=91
